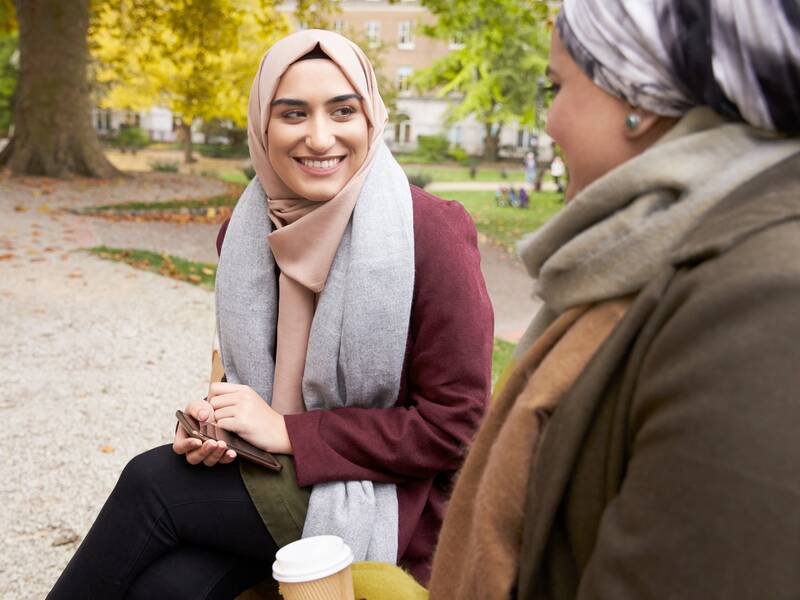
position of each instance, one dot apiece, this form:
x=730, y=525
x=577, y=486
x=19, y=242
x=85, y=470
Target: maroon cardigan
x=420, y=442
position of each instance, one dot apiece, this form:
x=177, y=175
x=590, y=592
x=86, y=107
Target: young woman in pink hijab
x=355, y=335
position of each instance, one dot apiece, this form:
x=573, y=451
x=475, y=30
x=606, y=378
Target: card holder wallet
x=210, y=431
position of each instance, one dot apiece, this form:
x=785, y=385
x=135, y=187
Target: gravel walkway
x=99, y=355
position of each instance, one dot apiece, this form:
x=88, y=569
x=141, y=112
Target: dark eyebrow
x=344, y=97
x=289, y=101
x=296, y=102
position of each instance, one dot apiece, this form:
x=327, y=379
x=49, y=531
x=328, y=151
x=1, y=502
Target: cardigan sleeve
x=447, y=372
x=710, y=503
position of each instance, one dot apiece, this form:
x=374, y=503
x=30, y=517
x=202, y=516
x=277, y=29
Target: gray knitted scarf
x=614, y=236
x=358, y=336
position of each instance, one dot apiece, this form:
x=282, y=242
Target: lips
x=319, y=166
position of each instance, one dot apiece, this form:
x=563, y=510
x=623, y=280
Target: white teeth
x=320, y=164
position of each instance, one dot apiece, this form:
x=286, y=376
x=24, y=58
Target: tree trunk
x=186, y=131
x=491, y=143
x=53, y=133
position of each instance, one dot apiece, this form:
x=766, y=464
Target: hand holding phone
x=210, y=431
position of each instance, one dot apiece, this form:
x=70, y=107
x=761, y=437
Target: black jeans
x=171, y=530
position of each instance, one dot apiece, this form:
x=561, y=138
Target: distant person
x=557, y=172
x=512, y=197
x=523, y=197
x=502, y=197
x=529, y=164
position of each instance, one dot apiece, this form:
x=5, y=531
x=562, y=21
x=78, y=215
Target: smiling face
x=318, y=134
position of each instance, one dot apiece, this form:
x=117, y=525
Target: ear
x=641, y=124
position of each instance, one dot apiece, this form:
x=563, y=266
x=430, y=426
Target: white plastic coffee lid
x=311, y=558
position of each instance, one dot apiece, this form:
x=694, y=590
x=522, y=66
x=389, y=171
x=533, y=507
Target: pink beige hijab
x=304, y=266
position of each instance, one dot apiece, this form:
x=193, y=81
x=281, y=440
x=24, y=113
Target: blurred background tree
x=51, y=109
x=196, y=59
x=500, y=53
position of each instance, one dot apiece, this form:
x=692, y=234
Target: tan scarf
x=478, y=551
x=308, y=233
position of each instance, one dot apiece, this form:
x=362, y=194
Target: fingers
x=225, y=413
x=223, y=400
x=184, y=444
x=200, y=410
x=221, y=387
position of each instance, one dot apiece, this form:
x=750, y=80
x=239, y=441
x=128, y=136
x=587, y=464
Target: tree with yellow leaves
x=196, y=58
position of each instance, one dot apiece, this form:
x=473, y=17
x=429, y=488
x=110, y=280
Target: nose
x=319, y=137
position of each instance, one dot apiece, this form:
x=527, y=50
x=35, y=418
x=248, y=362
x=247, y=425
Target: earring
x=633, y=121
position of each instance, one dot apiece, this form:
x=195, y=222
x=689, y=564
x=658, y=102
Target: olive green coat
x=672, y=467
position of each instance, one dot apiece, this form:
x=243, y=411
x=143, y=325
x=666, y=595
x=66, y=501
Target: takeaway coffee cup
x=315, y=568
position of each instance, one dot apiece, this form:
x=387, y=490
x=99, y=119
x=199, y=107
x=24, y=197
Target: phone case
x=209, y=431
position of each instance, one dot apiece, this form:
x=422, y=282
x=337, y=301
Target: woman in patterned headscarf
x=643, y=443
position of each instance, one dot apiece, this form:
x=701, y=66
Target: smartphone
x=210, y=431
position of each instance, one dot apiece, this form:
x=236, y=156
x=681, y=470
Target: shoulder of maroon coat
x=439, y=222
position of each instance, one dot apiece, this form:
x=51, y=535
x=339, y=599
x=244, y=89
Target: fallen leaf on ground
x=208, y=271
x=20, y=208
x=67, y=537
x=195, y=277
x=107, y=449
x=75, y=275
x=6, y=256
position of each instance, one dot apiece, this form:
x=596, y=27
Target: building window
x=402, y=132
x=405, y=35
x=374, y=33
x=455, y=136
x=403, y=80
x=520, y=138
x=338, y=25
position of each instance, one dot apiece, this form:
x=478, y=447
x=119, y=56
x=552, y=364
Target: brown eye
x=344, y=111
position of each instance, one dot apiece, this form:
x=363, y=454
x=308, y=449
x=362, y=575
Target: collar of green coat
x=770, y=197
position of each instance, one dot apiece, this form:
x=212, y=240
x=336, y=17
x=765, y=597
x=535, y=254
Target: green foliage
x=8, y=79
x=505, y=226
x=168, y=205
x=8, y=17
x=164, y=166
x=223, y=151
x=432, y=148
x=458, y=154
x=249, y=172
x=131, y=138
x=501, y=356
x=494, y=74
x=419, y=179
x=195, y=58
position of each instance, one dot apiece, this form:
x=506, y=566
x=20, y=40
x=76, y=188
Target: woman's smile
x=320, y=167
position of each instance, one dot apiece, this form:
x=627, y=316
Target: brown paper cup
x=338, y=586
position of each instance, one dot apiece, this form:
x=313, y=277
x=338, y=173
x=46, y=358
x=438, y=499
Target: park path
x=97, y=355
x=96, y=358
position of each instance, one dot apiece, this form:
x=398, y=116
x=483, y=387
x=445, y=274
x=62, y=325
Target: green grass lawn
x=168, y=205
x=501, y=355
x=197, y=273
x=233, y=176
x=506, y=225
x=446, y=174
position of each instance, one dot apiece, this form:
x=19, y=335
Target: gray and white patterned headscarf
x=740, y=57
